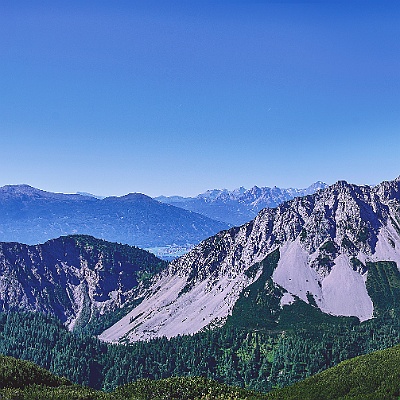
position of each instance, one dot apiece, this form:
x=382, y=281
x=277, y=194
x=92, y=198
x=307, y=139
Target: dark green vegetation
x=18, y=373
x=23, y=380
x=259, y=360
x=290, y=345
x=189, y=388
x=373, y=376
x=383, y=285
x=258, y=306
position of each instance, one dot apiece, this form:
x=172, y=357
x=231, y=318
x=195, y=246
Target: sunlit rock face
x=324, y=240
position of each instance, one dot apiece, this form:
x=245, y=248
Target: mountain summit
x=324, y=249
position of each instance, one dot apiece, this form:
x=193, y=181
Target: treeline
x=372, y=376
x=23, y=380
x=259, y=360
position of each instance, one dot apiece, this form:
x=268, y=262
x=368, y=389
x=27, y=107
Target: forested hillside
x=257, y=359
x=23, y=380
x=373, y=376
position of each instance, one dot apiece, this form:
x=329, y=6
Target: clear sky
x=170, y=97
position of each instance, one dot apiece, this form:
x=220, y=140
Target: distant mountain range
x=32, y=216
x=331, y=250
x=238, y=206
x=337, y=250
x=29, y=215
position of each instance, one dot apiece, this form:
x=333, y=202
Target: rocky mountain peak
x=388, y=190
x=238, y=206
x=325, y=242
x=315, y=187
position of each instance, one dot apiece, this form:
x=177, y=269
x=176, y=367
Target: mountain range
x=32, y=216
x=238, y=206
x=323, y=249
x=332, y=250
x=300, y=288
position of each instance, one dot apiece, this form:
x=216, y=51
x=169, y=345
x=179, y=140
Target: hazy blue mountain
x=238, y=206
x=32, y=216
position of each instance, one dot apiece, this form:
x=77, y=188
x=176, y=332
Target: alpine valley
x=298, y=289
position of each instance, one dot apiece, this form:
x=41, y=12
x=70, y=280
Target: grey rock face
x=74, y=278
x=325, y=241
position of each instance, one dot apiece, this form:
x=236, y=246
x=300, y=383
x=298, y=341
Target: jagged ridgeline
x=321, y=250
x=297, y=290
x=240, y=205
x=86, y=282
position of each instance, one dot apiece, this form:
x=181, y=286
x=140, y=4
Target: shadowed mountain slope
x=76, y=278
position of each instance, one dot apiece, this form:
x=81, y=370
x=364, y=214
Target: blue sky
x=180, y=97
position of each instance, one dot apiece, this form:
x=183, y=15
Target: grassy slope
x=372, y=376
x=16, y=373
x=24, y=380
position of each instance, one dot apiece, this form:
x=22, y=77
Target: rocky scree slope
x=325, y=242
x=238, y=206
x=75, y=278
x=29, y=215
